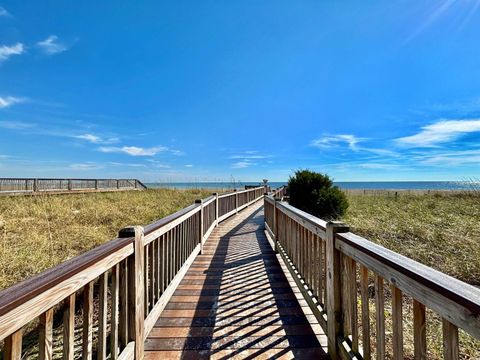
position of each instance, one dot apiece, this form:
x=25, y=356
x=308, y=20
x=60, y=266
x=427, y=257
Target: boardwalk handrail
x=126, y=282
x=323, y=258
x=36, y=185
x=279, y=192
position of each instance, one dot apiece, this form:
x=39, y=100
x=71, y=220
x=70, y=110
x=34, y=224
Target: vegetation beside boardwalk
x=36, y=233
x=39, y=232
x=441, y=231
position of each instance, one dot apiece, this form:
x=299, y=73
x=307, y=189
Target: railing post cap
x=215, y=193
x=198, y=201
x=130, y=231
x=339, y=226
x=277, y=198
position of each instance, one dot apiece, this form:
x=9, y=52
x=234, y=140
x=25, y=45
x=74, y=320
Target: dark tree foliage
x=314, y=193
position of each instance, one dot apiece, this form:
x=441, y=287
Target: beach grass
x=441, y=231
x=39, y=232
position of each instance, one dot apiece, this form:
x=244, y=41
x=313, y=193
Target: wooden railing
x=27, y=185
x=279, y=192
x=335, y=268
x=112, y=295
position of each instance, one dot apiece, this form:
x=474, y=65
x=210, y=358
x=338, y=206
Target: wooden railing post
x=236, y=201
x=334, y=301
x=216, y=208
x=96, y=184
x=200, y=201
x=136, y=289
x=275, y=223
x=69, y=184
x=118, y=184
x=35, y=185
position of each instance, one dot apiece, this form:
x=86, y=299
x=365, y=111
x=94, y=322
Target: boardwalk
x=236, y=301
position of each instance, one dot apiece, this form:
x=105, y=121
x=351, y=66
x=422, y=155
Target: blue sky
x=215, y=90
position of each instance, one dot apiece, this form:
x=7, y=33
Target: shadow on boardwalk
x=236, y=302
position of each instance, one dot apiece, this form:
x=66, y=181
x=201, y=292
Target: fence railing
x=351, y=283
x=27, y=185
x=279, y=192
x=121, y=287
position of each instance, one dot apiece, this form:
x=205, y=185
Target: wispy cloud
x=243, y=164
x=379, y=166
x=16, y=125
x=441, y=132
x=133, y=150
x=451, y=158
x=189, y=165
x=4, y=12
x=8, y=51
x=246, y=159
x=176, y=152
x=351, y=142
x=85, y=167
x=95, y=139
x=249, y=156
x=52, y=45
x=330, y=141
x=9, y=101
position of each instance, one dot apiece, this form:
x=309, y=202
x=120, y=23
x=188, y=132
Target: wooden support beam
x=69, y=328
x=136, y=290
x=334, y=301
x=45, y=335
x=13, y=346
x=87, y=341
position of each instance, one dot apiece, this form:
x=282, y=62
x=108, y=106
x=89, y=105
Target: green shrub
x=314, y=193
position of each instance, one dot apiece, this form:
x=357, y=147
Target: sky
x=240, y=90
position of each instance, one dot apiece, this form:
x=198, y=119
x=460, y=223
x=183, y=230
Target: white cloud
x=177, y=152
x=243, y=164
x=85, y=167
x=96, y=139
x=52, y=45
x=452, y=158
x=133, y=150
x=189, y=165
x=89, y=137
x=330, y=141
x=4, y=12
x=16, y=125
x=379, y=166
x=9, y=101
x=249, y=157
x=7, y=51
x=443, y=131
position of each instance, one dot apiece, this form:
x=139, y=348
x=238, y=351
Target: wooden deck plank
x=237, y=302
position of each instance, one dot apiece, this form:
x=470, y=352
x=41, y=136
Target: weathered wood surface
x=236, y=302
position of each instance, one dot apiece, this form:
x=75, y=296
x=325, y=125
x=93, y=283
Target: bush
x=314, y=193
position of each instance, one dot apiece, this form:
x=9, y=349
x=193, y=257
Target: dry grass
x=39, y=232
x=441, y=231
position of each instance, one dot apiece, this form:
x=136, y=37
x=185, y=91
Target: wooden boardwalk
x=237, y=301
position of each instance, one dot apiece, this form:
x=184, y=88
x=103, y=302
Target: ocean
x=368, y=185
